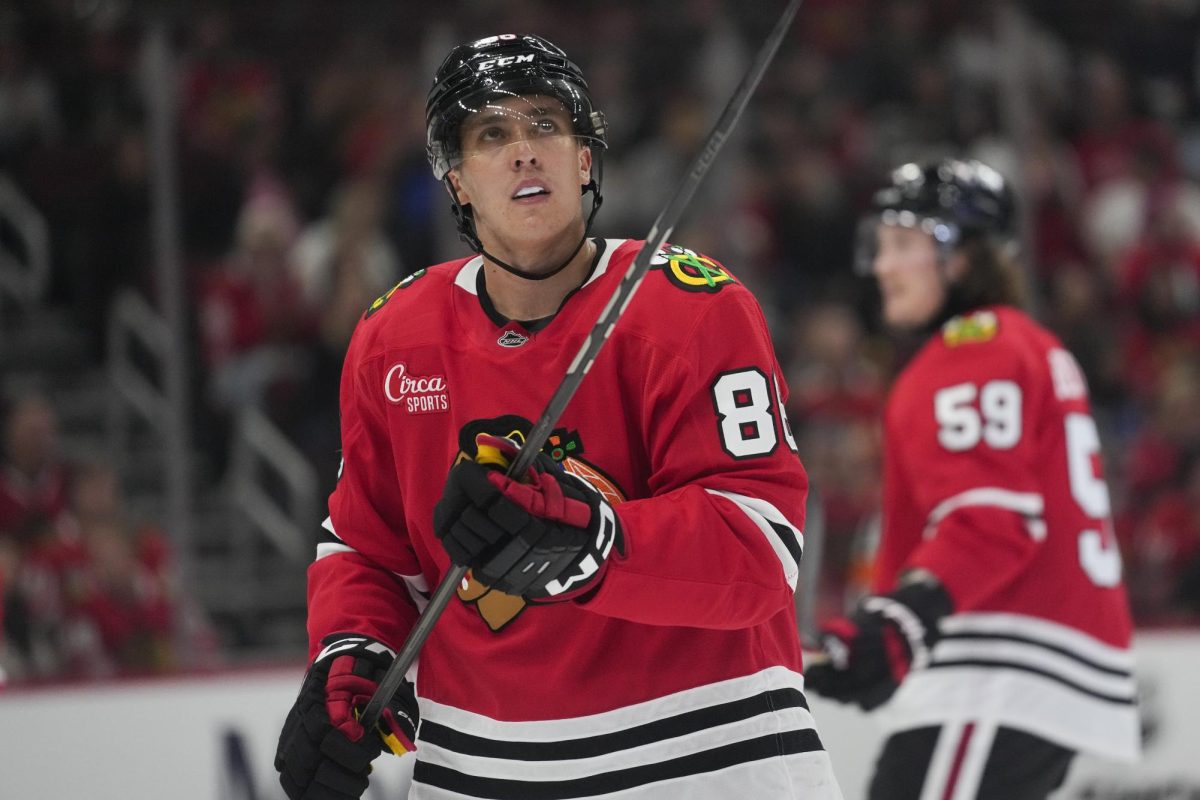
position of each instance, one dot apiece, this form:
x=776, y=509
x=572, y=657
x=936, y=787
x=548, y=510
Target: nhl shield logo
x=511, y=338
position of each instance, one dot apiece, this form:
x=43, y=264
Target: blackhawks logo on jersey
x=565, y=447
x=970, y=329
x=691, y=271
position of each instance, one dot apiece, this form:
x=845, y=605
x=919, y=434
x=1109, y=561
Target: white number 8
x=743, y=403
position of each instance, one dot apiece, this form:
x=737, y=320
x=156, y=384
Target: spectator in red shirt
x=33, y=479
x=253, y=323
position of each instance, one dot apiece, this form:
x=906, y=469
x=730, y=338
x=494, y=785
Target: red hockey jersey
x=992, y=481
x=682, y=672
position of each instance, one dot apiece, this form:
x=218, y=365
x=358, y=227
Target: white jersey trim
x=1029, y=505
x=774, y=526
x=467, y=276
x=1019, y=654
x=618, y=719
x=1024, y=673
x=610, y=247
x=465, y=279
x=1041, y=630
x=804, y=775
x=637, y=751
x=569, y=769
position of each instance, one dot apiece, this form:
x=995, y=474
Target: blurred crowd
x=88, y=590
x=305, y=194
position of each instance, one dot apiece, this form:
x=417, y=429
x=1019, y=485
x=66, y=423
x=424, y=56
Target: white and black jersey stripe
x=1009, y=641
x=329, y=543
x=1029, y=674
x=746, y=737
x=785, y=538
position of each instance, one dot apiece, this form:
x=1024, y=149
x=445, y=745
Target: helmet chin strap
x=466, y=229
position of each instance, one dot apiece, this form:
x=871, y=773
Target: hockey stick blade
x=662, y=228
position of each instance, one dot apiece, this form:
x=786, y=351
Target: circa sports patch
x=416, y=393
x=691, y=271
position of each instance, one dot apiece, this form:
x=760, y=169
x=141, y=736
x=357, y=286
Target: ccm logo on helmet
x=505, y=61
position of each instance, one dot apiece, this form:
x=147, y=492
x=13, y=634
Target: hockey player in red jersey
x=627, y=625
x=996, y=642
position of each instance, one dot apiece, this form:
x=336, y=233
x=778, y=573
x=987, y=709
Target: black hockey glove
x=546, y=538
x=324, y=753
x=869, y=653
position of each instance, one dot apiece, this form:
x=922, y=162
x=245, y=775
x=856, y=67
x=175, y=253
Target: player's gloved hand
x=546, y=537
x=324, y=753
x=869, y=653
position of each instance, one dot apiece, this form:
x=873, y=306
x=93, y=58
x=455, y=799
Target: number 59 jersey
x=993, y=482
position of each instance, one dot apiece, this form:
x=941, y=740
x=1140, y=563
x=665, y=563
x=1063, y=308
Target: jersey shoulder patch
x=383, y=298
x=975, y=327
x=691, y=271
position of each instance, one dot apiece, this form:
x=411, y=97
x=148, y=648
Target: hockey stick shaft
x=662, y=228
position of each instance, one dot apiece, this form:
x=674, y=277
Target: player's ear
x=456, y=187
x=585, y=166
x=957, y=266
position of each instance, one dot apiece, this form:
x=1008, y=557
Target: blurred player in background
x=627, y=626
x=997, y=636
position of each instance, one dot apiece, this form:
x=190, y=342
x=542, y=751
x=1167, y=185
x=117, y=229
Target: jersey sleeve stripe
x=786, y=539
x=1029, y=505
x=329, y=543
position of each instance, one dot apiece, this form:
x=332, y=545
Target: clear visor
x=494, y=126
x=866, y=237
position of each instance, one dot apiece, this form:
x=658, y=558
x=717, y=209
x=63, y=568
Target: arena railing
x=269, y=493
x=25, y=270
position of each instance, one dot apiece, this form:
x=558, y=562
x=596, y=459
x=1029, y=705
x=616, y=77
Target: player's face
x=521, y=172
x=911, y=283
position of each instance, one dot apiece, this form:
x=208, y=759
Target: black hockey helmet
x=480, y=72
x=502, y=66
x=950, y=199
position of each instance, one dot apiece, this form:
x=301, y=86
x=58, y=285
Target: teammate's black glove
x=324, y=753
x=545, y=538
x=870, y=652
